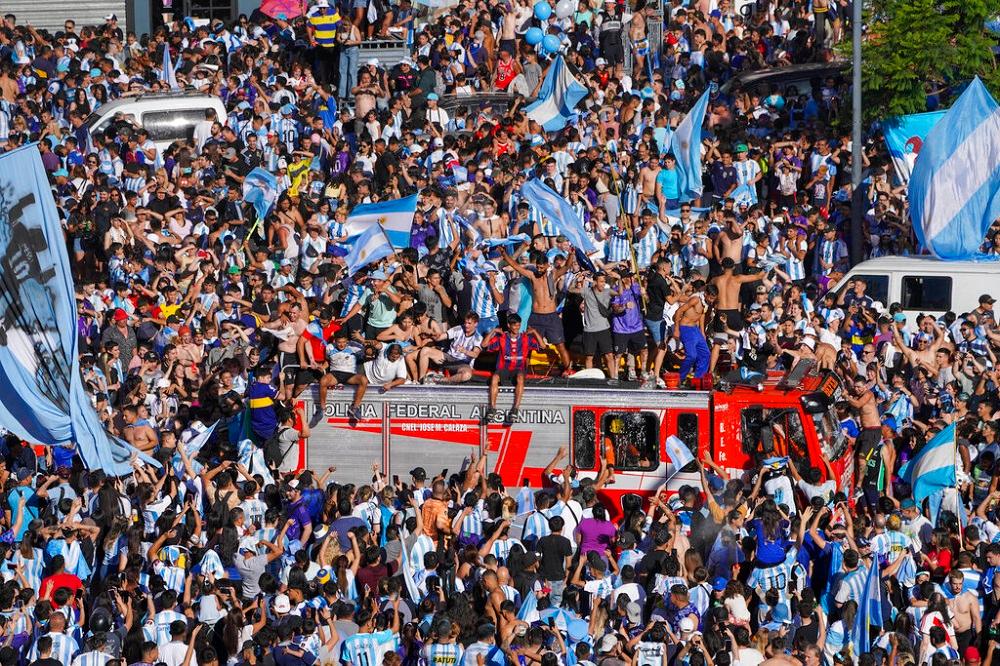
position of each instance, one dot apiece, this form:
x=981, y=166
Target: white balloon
x=564, y=8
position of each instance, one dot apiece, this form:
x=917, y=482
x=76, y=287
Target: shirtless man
x=690, y=329
x=964, y=607
x=288, y=327
x=728, y=284
x=730, y=244
x=861, y=398
x=639, y=41
x=140, y=436
x=544, y=317
x=647, y=177
x=925, y=354
x=489, y=224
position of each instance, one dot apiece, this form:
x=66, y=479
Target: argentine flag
x=168, y=75
x=394, y=216
x=260, y=188
x=869, y=611
x=558, y=96
x=933, y=467
x=368, y=247
x=559, y=211
x=956, y=178
x=686, y=146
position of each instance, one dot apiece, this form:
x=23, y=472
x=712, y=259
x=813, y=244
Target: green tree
x=913, y=46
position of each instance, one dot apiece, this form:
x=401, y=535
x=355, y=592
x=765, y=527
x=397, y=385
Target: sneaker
x=354, y=413
x=660, y=383
x=487, y=415
x=512, y=415
x=316, y=417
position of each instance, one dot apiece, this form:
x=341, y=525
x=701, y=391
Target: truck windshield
x=828, y=429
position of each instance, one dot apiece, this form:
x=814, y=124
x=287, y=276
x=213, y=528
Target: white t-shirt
x=380, y=370
x=462, y=344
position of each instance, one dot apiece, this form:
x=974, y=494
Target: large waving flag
x=394, y=216
x=368, y=247
x=904, y=136
x=869, y=611
x=955, y=181
x=933, y=467
x=44, y=398
x=559, y=211
x=260, y=189
x=686, y=146
x=168, y=75
x=558, y=96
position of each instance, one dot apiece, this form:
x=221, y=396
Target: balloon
x=533, y=36
x=543, y=10
x=551, y=43
x=564, y=8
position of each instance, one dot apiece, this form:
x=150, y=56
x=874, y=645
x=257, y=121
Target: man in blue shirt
x=668, y=188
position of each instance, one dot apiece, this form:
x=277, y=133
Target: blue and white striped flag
x=394, y=216
x=558, y=96
x=956, y=178
x=260, y=189
x=168, y=75
x=515, y=240
x=686, y=146
x=933, y=467
x=869, y=611
x=367, y=248
x=559, y=211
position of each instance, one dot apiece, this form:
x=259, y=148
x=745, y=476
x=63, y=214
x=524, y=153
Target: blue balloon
x=551, y=43
x=534, y=36
x=543, y=10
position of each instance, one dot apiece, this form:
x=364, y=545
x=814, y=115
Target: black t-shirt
x=47, y=661
x=657, y=289
x=554, y=549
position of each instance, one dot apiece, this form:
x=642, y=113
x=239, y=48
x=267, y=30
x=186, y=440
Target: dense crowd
x=192, y=313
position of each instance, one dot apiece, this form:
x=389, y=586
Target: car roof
x=925, y=263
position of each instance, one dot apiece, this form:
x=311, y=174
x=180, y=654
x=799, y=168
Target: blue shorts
x=657, y=330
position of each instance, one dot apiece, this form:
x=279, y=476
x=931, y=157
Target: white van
x=168, y=116
x=926, y=284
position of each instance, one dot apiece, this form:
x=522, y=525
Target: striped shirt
x=324, y=23
x=173, y=577
x=367, y=649
x=794, y=266
x=646, y=246
x=423, y=545
x=617, y=247
x=502, y=547
x=162, y=621
x=442, y=654
x=92, y=658
x=536, y=526
x=287, y=131
x=63, y=648
x=851, y=585
x=253, y=510
x=483, y=303
x=33, y=568
x=354, y=293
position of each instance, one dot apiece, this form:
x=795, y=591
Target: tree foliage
x=912, y=47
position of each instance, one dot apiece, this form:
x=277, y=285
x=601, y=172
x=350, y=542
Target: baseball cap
x=761, y=289
x=373, y=61
x=610, y=641
x=986, y=298
x=65, y=174
x=120, y=315
x=971, y=653
x=433, y=96
x=418, y=473
x=899, y=316
x=908, y=503
x=150, y=356
x=379, y=275
x=741, y=148
x=600, y=61
x=634, y=612
x=719, y=584
x=687, y=624
x=282, y=604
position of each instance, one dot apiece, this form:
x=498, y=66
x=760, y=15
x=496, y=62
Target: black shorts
x=868, y=442
x=508, y=377
x=549, y=325
x=597, y=343
x=734, y=319
x=307, y=376
x=342, y=377
x=453, y=363
x=630, y=342
x=289, y=364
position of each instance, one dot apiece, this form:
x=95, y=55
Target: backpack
x=273, y=455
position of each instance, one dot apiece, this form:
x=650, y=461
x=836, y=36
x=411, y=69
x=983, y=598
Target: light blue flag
x=411, y=584
x=558, y=96
x=168, y=75
x=44, y=398
x=904, y=136
x=686, y=146
x=395, y=217
x=260, y=189
x=515, y=240
x=869, y=611
x=955, y=181
x=368, y=247
x=933, y=467
x=559, y=211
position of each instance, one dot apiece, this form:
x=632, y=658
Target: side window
x=687, y=432
x=631, y=439
x=877, y=287
x=584, y=439
x=172, y=125
x=773, y=432
x=932, y=292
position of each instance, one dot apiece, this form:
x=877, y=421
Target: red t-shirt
x=55, y=581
